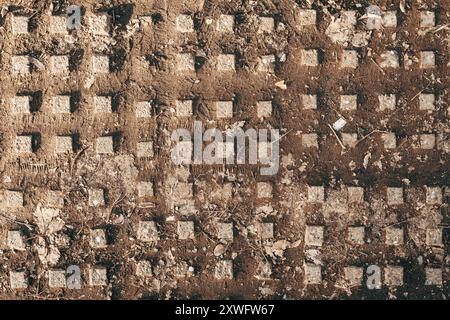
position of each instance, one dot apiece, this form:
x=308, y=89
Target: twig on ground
x=337, y=137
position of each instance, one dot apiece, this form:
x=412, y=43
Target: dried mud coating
x=87, y=179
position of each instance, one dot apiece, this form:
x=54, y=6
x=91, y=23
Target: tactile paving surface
x=92, y=206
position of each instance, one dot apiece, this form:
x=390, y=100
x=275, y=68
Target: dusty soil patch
x=85, y=172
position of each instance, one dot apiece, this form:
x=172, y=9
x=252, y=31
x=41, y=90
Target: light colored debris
x=339, y=124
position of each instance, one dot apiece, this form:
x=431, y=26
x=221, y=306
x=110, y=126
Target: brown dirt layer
x=143, y=46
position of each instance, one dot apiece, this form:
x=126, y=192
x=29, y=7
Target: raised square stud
x=313, y=274
x=186, y=62
x=427, y=141
x=427, y=101
x=264, y=109
x=427, y=59
x=104, y=145
x=147, y=231
x=264, y=190
x=143, y=109
x=18, y=280
x=390, y=19
x=100, y=24
x=389, y=140
x=263, y=271
x=224, y=270
x=185, y=230
x=310, y=140
x=349, y=102
x=355, y=194
x=266, y=25
x=349, y=16
x=307, y=17
x=349, y=59
x=393, y=276
x=316, y=194
x=144, y=269
x=355, y=235
x=349, y=139
x=59, y=65
x=145, y=189
x=98, y=239
x=63, y=144
x=226, y=190
x=184, y=23
x=387, y=102
x=98, y=277
x=433, y=195
x=434, y=237
x=20, y=65
x=353, y=276
x=226, y=62
x=266, y=230
x=310, y=57
x=266, y=64
x=225, y=231
x=314, y=236
x=433, y=277
x=100, y=64
x=390, y=59
x=185, y=189
x=58, y=25
x=55, y=199
x=24, y=144
x=225, y=23
x=12, y=199
x=57, y=279
x=184, y=108
x=394, y=236
x=15, y=241
x=224, y=109
x=96, y=197
x=102, y=104
x=394, y=196
x=427, y=19
x=21, y=105
x=309, y=101
x=60, y=104
x=19, y=24
x=145, y=149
